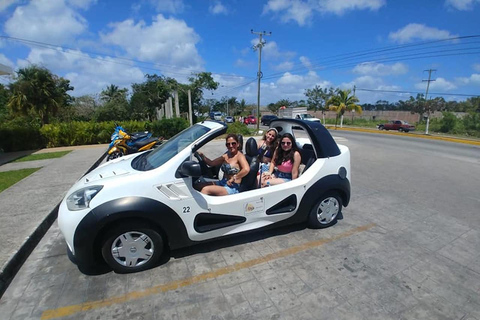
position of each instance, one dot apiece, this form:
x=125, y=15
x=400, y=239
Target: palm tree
x=38, y=91
x=342, y=102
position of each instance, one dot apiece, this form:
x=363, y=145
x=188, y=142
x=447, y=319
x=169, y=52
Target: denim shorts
x=286, y=176
x=233, y=189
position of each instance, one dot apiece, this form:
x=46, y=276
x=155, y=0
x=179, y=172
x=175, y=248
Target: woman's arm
x=297, y=160
x=212, y=163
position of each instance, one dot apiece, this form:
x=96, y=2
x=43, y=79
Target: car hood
x=114, y=168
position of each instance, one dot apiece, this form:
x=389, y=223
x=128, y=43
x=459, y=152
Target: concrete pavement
x=29, y=207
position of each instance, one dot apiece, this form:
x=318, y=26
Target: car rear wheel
x=400, y=130
x=132, y=247
x=325, y=212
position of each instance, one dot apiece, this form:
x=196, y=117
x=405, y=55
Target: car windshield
x=169, y=149
x=307, y=116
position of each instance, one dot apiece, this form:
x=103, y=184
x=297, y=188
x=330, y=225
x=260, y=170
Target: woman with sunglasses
x=234, y=166
x=285, y=163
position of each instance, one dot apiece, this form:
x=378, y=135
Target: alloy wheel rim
x=328, y=210
x=132, y=249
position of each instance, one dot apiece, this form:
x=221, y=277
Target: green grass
x=9, y=178
x=43, y=156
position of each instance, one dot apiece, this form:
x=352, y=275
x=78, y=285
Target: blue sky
x=379, y=45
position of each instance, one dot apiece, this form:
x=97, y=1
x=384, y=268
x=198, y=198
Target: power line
x=418, y=92
x=373, y=54
x=143, y=64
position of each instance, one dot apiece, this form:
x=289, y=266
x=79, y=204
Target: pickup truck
x=399, y=125
x=306, y=117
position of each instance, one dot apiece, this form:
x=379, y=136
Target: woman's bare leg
x=214, y=190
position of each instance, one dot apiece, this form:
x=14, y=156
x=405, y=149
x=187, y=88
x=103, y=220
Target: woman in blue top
x=267, y=146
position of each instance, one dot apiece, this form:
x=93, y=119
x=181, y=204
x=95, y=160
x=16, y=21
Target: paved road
x=405, y=249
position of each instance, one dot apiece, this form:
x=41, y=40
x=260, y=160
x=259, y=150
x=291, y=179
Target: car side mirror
x=190, y=169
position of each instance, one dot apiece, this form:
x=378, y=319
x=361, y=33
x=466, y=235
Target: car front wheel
x=325, y=212
x=132, y=247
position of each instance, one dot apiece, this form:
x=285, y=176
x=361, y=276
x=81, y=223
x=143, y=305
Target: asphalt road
x=406, y=248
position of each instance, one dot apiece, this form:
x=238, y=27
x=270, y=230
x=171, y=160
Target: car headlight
x=80, y=199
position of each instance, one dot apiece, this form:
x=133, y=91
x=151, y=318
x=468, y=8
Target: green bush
x=448, y=122
x=16, y=138
x=167, y=128
x=238, y=128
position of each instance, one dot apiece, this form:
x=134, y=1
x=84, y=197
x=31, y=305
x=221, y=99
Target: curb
x=13, y=265
x=409, y=134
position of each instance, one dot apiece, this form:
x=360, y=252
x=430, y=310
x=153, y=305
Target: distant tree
x=112, y=92
x=84, y=108
x=317, y=97
x=150, y=95
x=342, y=102
x=241, y=107
x=4, y=96
x=38, y=92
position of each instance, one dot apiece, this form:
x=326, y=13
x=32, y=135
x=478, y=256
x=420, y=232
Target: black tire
x=400, y=130
x=325, y=212
x=381, y=128
x=132, y=247
x=114, y=155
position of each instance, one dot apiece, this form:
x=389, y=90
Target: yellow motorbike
x=123, y=143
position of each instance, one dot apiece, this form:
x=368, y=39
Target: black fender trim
x=91, y=229
x=205, y=222
x=332, y=182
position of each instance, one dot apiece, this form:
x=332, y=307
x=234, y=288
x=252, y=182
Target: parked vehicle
x=306, y=117
x=123, y=143
x=265, y=120
x=399, y=125
x=297, y=113
x=131, y=211
x=250, y=120
x=229, y=119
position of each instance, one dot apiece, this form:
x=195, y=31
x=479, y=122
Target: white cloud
x=302, y=11
x=284, y=66
x=170, y=6
x=380, y=69
x=155, y=42
x=271, y=51
x=218, y=8
x=88, y=75
x=476, y=67
x=305, y=62
x=5, y=64
x=48, y=21
x=415, y=31
x=473, y=79
x=82, y=4
x=462, y=5
x=4, y=4
x=439, y=84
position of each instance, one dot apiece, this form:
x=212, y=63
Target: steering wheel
x=201, y=162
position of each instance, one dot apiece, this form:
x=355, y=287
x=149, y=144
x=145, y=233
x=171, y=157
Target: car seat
x=308, y=156
x=251, y=153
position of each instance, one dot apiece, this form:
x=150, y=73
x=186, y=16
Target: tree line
x=38, y=97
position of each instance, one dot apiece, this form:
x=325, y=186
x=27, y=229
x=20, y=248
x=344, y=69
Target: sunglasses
x=233, y=144
x=286, y=143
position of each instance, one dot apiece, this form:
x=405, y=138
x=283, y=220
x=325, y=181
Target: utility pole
x=426, y=96
x=259, y=46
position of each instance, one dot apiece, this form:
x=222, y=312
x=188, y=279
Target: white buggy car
x=128, y=212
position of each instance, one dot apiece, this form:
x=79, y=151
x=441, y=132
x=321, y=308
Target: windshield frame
x=171, y=148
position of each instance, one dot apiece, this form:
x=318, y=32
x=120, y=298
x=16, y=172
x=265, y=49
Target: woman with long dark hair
x=285, y=162
x=234, y=166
